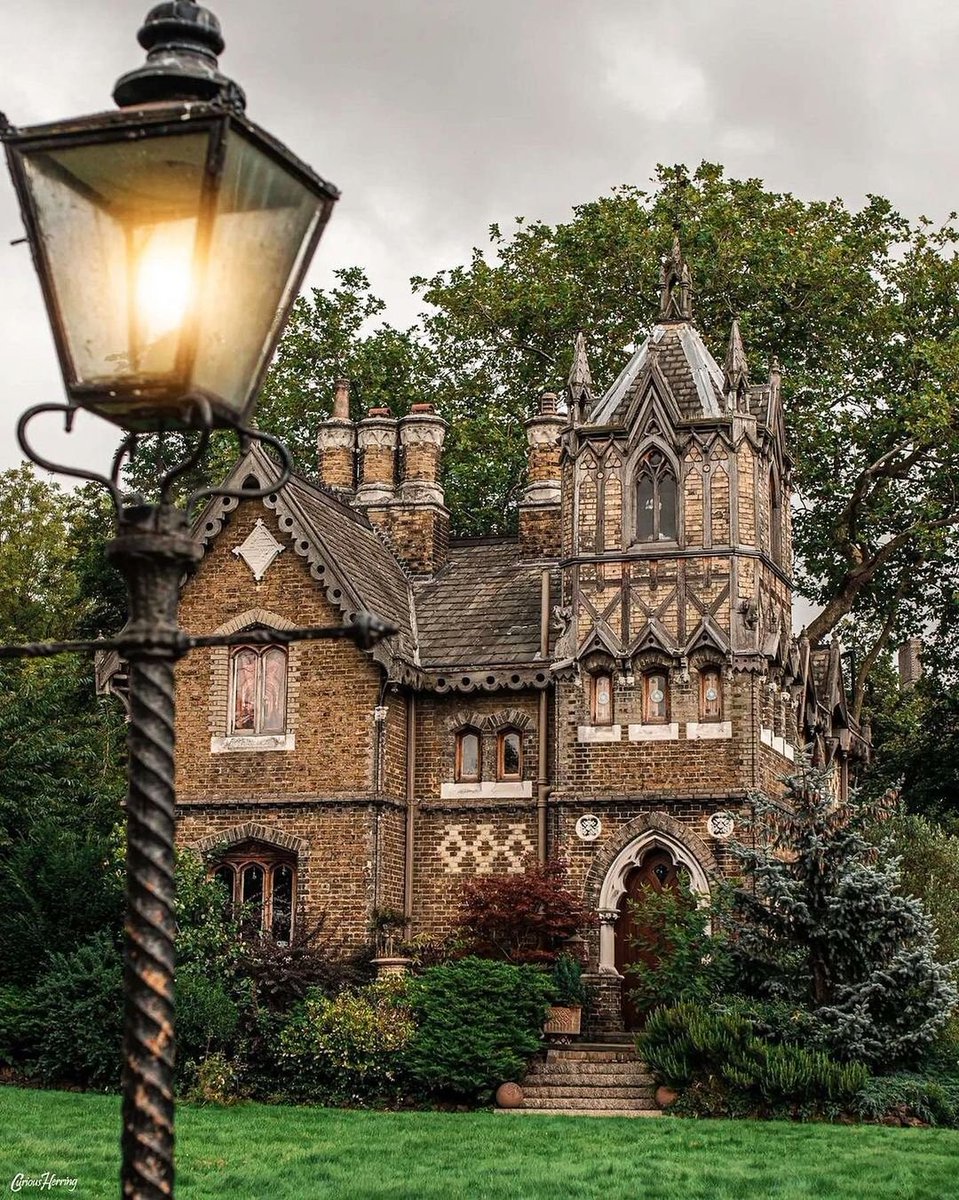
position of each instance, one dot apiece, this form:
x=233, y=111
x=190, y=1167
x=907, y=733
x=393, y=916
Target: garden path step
x=573, y=1092
x=586, y=1054
x=580, y=1112
x=589, y=1079
x=633, y=1071
x=590, y=1104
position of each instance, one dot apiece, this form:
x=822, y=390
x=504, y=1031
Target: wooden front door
x=656, y=872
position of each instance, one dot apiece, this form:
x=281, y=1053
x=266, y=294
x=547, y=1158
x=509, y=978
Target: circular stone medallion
x=721, y=824
x=588, y=828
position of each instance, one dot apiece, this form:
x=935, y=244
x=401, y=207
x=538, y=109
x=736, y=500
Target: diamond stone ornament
x=258, y=550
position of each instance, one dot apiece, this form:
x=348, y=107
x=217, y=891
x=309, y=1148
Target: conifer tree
x=824, y=924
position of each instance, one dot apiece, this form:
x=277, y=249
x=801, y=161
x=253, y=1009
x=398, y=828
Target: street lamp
x=170, y=238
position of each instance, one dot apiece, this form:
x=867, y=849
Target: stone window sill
x=700, y=730
x=779, y=744
x=654, y=733
x=257, y=743
x=599, y=733
x=484, y=791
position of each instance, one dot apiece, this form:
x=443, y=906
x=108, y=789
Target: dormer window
x=467, y=769
x=656, y=499
x=710, y=694
x=258, y=690
x=655, y=698
x=601, y=699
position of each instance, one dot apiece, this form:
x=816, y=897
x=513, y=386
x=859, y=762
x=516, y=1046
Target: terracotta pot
x=562, y=1019
x=509, y=1095
x=665, y=1096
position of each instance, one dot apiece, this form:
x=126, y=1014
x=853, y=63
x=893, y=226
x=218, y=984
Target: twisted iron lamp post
x=170, y=237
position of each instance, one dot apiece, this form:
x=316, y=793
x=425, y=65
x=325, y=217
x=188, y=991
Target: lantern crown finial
x=182, y=40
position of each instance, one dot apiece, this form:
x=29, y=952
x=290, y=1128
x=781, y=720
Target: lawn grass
x=255, y=1151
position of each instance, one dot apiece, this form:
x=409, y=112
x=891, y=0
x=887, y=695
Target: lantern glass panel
x=263, y=225
x=118, y=224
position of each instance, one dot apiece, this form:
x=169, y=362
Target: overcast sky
x=437, y=117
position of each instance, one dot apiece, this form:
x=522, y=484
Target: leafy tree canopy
x=858, y=305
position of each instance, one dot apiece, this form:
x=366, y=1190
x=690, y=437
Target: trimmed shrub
x=478, y=1024
x=15, y=1025
x=346, y=1050
x=207, y=1017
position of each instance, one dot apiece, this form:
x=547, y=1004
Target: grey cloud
x=437, y=117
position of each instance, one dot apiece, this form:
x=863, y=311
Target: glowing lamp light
x=170, y=236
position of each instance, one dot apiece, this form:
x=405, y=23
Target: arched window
x=656, y=499
x=775, y=522
x=509, y=755
x=468, y=759
x=258, y=690
x=259, y=884
x=655, y=698
x=710, y=694
x=601, y=698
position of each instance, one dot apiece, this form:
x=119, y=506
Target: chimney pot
x=422, y=408
x=341, y=400
x=548, y=403
x=380, y=411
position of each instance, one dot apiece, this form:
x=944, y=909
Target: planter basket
x=563, y=1020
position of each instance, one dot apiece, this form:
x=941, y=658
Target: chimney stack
x=336, y=439
x=539, y=509
x=421, y=520
x=408, y=505
x=376, y=440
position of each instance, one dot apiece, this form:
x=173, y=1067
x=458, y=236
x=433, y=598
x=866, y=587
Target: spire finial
x=676, y=286
x=579, y=386
x=182, y=40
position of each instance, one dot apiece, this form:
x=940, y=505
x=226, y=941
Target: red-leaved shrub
x=523, y=917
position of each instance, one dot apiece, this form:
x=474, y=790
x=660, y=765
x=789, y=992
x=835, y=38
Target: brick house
x=607, y=687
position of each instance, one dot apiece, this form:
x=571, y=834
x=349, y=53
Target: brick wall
x=334, y=867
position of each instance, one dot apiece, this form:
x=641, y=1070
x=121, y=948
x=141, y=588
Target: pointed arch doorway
x=654, y=859
x=657, y=872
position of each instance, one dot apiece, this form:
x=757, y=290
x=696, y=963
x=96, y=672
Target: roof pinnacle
x=676, y=287
x=735, y=369
x=580, y=381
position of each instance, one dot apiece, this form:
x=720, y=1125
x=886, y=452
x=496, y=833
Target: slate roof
x=353, y=543
x=483, y=608
x=693, y=375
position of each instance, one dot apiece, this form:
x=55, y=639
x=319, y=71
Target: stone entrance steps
x=589, y=1079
